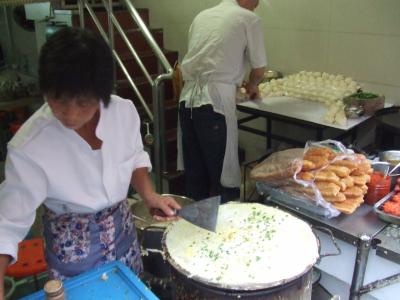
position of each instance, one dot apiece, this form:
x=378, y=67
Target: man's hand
x=252, y=90
x=255, y=77
x=166, y=204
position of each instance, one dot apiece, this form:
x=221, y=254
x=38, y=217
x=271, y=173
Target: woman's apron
x=76, y=243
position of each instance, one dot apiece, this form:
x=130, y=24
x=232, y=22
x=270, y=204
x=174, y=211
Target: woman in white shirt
x=77, y=155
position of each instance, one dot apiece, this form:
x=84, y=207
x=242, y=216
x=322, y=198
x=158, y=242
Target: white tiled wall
x=357, y=38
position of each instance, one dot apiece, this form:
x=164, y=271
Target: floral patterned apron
x=76, y=243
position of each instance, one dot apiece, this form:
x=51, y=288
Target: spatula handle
x=158, y=212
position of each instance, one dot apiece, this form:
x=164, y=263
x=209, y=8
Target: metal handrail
x=109, y=6
x=148, y=36
x=118, y=59
x=115, y=22
x=157, y=118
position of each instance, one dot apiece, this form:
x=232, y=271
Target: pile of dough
x=315, y=86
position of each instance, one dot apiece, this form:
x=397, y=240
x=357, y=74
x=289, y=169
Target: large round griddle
x=179, y=235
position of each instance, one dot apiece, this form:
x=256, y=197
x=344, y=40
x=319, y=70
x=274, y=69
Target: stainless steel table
x=363, y=229
x=389, y=243
x=301, y=113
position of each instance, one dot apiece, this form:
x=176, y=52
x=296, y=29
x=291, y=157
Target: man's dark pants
x=203, y=142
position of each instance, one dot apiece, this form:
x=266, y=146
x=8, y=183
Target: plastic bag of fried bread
x=325, y=175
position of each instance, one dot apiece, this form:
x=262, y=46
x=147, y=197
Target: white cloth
x=51, y=164
x=223, y=41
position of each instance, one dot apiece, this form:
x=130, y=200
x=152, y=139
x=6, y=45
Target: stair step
x=137, y=39
x=171, y=114
x=124, y=89
x=149, y=60
x=171, y=140
x=171, y=146
x=171, y=135
x=169, y=104
x=171, y=166
x=170, y=111
x=122, y=15
x=176, y=182
x=169, y=175
x=171, y=151
x=95, y=4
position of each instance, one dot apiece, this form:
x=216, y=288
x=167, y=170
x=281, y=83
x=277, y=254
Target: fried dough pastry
x=342, y=182
x=328, y=188
x=361, y=180
x=320, y=151
x=308, y=165
x=342, y=185
x=327, y=176
x=353, y=192
x=362, y=168
x=364, y=188
x=325, y=188
x=305, y=176
x=349, y=205
x=347, y=181
x=358, y=200
x=346, y=208
x=327, y=192
x=319, y=161
x=340, y=171
x=340, y=197
x=346, y=163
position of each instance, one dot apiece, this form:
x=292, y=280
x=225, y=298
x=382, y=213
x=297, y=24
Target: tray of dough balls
x=316, y=97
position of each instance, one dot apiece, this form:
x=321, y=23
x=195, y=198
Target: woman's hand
x=142, y=184
x=166, y=204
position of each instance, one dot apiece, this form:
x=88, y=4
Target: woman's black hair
x=76, y=62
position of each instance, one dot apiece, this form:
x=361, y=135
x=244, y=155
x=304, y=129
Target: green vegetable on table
x=364, y=95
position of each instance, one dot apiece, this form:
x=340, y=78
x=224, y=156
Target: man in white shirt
x=77, y=155
x=223, y=40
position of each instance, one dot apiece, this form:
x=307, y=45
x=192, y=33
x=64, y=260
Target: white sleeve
x=141, y=157
x=21, y=193
x=255, y=45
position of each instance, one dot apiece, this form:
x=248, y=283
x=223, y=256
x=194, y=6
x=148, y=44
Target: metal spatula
x=201, y=213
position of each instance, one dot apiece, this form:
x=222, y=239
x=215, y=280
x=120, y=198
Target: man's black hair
x=76, y=62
